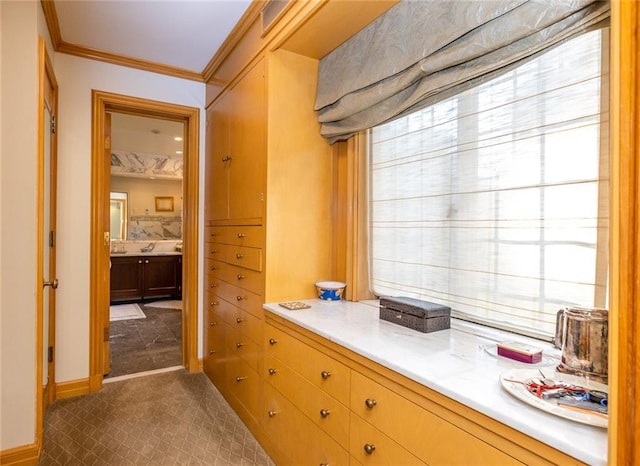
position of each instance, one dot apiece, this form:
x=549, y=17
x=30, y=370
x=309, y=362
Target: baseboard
x=25, y=455
x=72, y=388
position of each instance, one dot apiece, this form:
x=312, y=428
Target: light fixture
x=177, y=138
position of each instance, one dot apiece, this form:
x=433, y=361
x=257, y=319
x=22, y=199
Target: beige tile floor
x=163, y=419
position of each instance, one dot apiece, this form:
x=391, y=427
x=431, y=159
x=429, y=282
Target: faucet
x=148, y=248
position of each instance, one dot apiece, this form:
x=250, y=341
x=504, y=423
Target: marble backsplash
x=154, y=227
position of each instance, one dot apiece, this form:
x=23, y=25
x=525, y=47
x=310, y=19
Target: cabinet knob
x=272, y=413
x=213, y=267
x=240, y=378
x=146, y=261
x=213, y=303
x=239, y=320
x=226, y=158
x=325, y=374
x=272, y=341
x=213, y=285
x=212, y=352
x=240, y=235
x=214, y=251
x=140, y=261
x=239, y=256
x=369, y=448
x=272, y=371
x=370, y=402
x=240, y=276
x=214, y=234
x=324, y=412
x=212, y=324
x=239, y=345
x=239, y=298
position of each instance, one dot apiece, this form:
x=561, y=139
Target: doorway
x=145, y=218
x=104, y=106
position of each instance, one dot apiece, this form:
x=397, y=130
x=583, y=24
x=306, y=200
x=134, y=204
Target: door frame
x=103, y=102
x=47, y=97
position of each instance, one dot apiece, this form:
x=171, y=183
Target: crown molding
x=51, y=18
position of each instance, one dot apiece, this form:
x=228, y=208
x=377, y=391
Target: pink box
x=520, y=352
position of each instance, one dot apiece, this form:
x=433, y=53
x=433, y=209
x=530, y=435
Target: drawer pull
x=239, y=320
x=212, y=351
x=272, y=413
x=214, y=251
x=272, y=371
x=324, y=412
x=146, y=261
x=211, y=324
x=325, y=374
x=214, y=234
x=226, y=158
x=369, y=448
x=240, y=276
x=213, y=303
x=213, y=285
x=239, y=298
x=240, y=378
x=272, y=341
x=240, y=235
x=370, y=402
x=239, y=345
x=140, y=261
x=239, y=256
x=213, y=268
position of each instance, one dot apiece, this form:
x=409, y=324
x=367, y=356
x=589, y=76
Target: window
x=495, y=201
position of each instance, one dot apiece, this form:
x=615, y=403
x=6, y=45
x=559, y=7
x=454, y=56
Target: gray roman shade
x=421, y=52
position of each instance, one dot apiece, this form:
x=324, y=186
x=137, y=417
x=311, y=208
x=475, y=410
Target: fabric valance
x=421, y=52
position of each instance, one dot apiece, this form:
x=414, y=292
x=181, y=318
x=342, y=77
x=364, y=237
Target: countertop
x=152, y=253
x=455, y=362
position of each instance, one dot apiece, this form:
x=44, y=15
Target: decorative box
x=416, y=314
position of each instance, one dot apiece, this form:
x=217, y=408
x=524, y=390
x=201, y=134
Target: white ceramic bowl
x=330, y=291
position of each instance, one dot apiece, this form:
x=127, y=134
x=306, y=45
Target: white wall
x=76, y=78
x=18, y=177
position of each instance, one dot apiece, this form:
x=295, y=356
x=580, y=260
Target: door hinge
x=52, y=239
x=53, y=124
x=106, y=334
x=50, y=354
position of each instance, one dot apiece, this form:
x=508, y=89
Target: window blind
x=495, y=201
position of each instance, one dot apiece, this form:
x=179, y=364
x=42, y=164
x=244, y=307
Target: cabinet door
x=161, y=275
x=217, y=162
x=247, y=140
x=126, y=278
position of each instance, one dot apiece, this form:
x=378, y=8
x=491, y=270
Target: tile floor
x=163, y=419
x=139, y=345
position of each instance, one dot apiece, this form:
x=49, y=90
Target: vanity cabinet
x=385, y=417
x=141, y=277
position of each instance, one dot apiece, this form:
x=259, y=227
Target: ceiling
x=180, y=36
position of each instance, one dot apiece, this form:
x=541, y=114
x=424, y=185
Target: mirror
x=146, y=178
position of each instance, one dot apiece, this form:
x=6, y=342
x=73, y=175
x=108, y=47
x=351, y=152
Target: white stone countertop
x=455, y=362
x=139, y=253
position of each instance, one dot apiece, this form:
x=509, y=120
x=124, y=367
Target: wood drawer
x=299, y=439
x=248, y=258
x=214, y=359
x=431, y=438
x=240, y=345
x=252, y=236
x=221, y=308
x=241, y=277
x=244, y=384
x=246, y=323
x=383, y=450
x=244, y=299
x=321, y=370
x=324, y=410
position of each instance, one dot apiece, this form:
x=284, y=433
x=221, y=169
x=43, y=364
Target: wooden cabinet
x=386, y=418
x=141, y=277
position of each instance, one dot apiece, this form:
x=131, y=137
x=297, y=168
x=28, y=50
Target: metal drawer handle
x=239, y=298
x=324, y=412
x=213, y=267
x=240, y=235
x=325, y=374
x=272, y=413
x=226, y=158
x=370, y=403
x=214, y=251
x=212, y=352
x=239, y=345
x=240, y=378
x=213, y=303
x=147, y=261
x=240, y=276
x=211, y=324
x=239, y=256
x=369, y=448
x=272, y=341
x=140, y=261
x=239, y=320
x=213, y=285
x=214, y=234
x=272, y=371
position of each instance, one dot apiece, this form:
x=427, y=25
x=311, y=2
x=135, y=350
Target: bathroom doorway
x=106, y=107
x=145, y=219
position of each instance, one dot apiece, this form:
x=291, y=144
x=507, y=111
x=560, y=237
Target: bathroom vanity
x=145, y=275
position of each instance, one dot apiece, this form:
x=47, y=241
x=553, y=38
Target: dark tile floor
x=140, y=345
x=162, y=419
